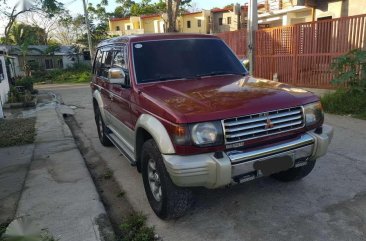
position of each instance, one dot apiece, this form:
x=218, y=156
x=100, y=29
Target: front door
x=120, y=100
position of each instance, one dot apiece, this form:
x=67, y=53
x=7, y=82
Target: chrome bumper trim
x=241, y=156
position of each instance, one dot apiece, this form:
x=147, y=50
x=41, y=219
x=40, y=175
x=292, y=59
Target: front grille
x=262, y=124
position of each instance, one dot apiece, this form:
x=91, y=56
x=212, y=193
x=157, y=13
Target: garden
x=350, y=79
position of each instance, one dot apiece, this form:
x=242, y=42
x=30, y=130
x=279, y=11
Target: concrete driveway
x=329, y=204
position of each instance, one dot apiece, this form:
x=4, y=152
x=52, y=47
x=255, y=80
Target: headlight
x=206, y=133
x=313, y=113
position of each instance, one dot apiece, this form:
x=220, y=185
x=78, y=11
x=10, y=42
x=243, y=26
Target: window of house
x=86, y=55
x=60, y=63
x=128, y=27
x=117, y=28
x=49, y=64
x=188, y=24
x=325, y=18
x=228, y=20
x=199, y=23
x=220, y=21
x=1, y=71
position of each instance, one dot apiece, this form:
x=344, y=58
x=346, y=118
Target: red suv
x=183, y=109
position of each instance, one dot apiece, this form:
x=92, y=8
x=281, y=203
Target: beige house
x=287, y=12
x=136, y=25
x=197, y=22
x=337, y=8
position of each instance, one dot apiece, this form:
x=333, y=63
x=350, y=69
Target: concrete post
x=252, y=27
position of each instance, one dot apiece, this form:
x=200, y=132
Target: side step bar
x=121, y=147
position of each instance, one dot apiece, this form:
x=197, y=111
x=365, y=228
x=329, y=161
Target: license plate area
x=274, y=164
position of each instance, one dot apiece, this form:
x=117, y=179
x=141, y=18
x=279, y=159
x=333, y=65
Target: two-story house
x=230, y=18
x=196, y=22
x=287, y=12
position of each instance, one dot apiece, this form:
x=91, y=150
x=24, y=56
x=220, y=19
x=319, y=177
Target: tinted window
x=188, y=58
x=98, y=62
x=1, y=71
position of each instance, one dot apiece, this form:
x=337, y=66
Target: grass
x=134, y=229
x=15, y=132
x=108, y=174
x=78, y=74
x=343, y=102
x=121, y=194
x=3, y=227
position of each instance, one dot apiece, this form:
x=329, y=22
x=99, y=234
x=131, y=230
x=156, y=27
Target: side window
x=1, y=71
x=119, y=59
x=106, y=62
x=97, y=62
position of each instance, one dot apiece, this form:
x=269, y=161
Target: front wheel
x=295, y=173
x=166, y=199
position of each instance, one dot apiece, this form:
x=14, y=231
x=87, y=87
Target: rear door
x=102, y=64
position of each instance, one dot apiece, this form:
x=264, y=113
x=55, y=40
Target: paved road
x=330, y=204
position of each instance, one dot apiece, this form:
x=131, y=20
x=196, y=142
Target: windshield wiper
x=162, y=78
x=213, y=73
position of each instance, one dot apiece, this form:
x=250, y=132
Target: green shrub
x=77, y=74
x=350, y=69
x=345, y=103
x=134, y=228
x=26, y=82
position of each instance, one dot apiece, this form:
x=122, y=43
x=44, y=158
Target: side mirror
x=116, y=76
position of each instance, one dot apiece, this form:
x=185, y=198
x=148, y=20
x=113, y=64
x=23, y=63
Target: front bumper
x=210, y=171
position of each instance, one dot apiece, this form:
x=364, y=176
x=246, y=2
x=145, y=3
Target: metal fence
x=301, y=54
x=237, y=40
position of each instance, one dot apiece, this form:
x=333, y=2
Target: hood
x=217, y=98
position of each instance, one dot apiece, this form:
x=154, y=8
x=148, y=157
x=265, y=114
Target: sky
x=76, y=6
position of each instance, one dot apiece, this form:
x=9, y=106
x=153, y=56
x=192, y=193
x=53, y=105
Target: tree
x=70, y=29
x=173, y=8
x=51, y=7
x=41, y=20
x=21, y=33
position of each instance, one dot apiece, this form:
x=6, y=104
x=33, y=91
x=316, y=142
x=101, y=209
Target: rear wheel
x=295, y=173
x=102, y=129
x=166, y=199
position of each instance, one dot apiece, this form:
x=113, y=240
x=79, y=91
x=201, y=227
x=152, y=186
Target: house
x=4, y=84
x=285, y=12
x=43, y=57
x=288, y=12
x=196, y=22
x=231, y=18
x=336, y=8
x=136, y=25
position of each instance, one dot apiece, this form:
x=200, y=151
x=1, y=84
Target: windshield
x=184, y=59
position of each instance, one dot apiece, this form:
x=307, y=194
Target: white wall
x=4, y=85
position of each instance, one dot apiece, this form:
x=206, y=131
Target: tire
x=102, y=129
x=295, y=173
x=174, y=201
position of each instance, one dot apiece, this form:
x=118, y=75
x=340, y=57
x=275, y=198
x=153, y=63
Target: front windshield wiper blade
x=213, y=73
x=162, y=78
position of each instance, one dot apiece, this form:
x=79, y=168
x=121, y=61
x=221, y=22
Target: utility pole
x=86, y=15
x=252, y=25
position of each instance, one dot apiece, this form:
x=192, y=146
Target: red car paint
x=203, y=99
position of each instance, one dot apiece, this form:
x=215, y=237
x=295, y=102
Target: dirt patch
x=116, y=204
x=15, y=132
